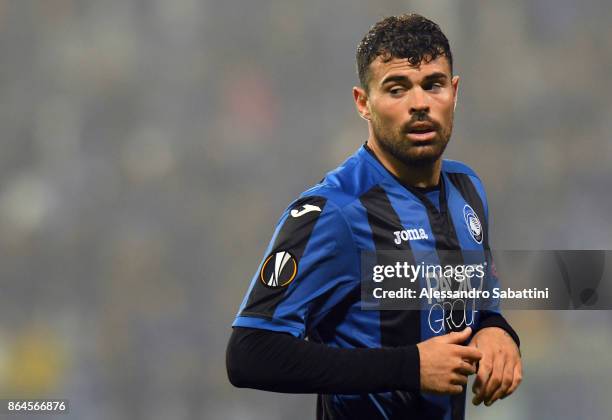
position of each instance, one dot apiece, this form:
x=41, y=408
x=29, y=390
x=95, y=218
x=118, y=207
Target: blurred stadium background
x=148, y=148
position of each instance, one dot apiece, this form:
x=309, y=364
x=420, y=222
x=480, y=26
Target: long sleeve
x=280, y=362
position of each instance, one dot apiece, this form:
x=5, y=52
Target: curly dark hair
x=410, y=36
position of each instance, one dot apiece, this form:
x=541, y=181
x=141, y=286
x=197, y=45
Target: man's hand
x=446, y=364
x=500, y=370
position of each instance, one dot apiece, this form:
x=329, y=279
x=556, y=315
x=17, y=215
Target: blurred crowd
x=148, y=148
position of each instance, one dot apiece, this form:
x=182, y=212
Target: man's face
x=410, y=109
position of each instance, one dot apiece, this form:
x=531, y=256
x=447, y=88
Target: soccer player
x=300, y=327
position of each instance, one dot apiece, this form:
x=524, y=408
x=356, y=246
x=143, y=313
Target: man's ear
x=360, y=96
x=455, y=85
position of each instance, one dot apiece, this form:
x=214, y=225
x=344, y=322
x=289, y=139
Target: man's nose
x=419, y=102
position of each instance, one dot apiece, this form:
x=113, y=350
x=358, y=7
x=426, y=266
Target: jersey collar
x=366, y=153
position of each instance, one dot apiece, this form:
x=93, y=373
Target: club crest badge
x=473, y=223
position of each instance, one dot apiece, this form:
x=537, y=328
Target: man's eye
x=434, y=86
x=396, y=90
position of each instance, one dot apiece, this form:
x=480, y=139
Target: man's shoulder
x=454, y=166
x=464, y=178
x=346, y=183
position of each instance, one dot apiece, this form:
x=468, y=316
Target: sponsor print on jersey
x=409, y=235
x=278, y=270
x=473, y=223
x=449, y=316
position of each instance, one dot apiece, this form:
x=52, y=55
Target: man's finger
x=506, y=382
x=455, y=389
x=482, y=376
x=457, y=337
x=458, y=379
x=471, y=354
x=495, y=379
x=466, y=368
x=517, y=379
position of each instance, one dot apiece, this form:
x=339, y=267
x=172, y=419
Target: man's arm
x=279, y=362
x=314, y=244
x=274, y=361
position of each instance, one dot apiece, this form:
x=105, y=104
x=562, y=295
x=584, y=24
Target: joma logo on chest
x=409, y=235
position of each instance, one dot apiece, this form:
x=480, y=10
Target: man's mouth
x=421, y=132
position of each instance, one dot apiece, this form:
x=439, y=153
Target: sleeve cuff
x=411, y=369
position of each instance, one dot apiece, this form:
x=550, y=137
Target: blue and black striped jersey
x=309, y=281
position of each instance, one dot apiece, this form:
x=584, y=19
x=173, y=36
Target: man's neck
x=416, y=176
